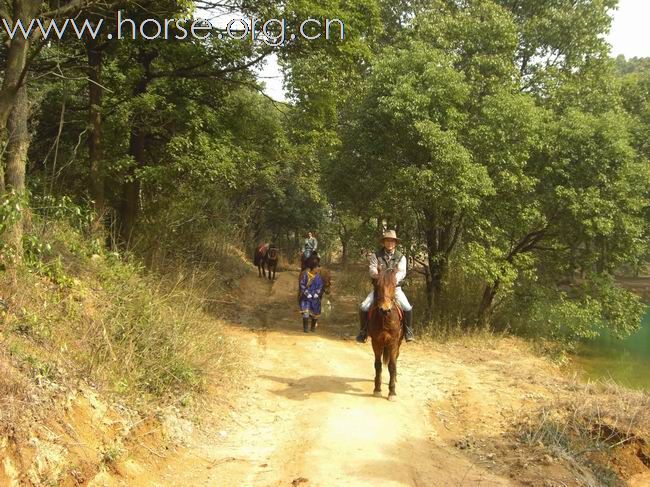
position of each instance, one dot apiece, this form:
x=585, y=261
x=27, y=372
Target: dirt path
x=308, y=417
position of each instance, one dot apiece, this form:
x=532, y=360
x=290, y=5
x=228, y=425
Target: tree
x=416, y=152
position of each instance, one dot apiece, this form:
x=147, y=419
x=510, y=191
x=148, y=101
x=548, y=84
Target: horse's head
x=273, y=252
x=313, y=261
x=385, y=290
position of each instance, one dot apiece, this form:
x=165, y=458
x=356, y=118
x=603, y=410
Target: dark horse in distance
x=385, y=330
x=304, y=261
x=266, y=258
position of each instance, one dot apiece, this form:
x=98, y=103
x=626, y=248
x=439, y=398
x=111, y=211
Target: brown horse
x=266, y=258
x=272, y=256
x=259, y=258
x=385, y=330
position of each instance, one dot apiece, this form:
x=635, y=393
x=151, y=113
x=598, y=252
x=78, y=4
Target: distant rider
x=311, y=245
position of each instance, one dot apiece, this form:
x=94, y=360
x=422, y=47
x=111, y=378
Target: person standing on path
x=311, y=292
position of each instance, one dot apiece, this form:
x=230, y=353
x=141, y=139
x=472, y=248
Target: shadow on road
x=302, y=389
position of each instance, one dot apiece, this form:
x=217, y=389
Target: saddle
x=262, y=249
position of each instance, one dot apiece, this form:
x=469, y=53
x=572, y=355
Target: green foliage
x=570, y=314
x=495, y=139
x=111, y=454
x=10, y=208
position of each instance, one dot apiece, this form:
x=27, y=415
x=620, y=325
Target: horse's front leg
x=378, y=350
x=392, y=369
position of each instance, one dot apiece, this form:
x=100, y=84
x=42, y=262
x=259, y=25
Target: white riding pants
x=400, y=297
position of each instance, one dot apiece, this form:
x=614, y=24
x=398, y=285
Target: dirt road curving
x=306, y=416
x=309, y=418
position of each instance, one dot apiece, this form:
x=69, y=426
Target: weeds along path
x=308, y=416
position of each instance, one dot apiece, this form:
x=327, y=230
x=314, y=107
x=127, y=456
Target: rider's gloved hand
x=309, y=296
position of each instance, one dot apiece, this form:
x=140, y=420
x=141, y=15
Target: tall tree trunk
x=2, y=172
x=344, y=236
x=435, y=281
x=16, y=58
x=438, y=264
x=442, y=232
x=14, y=66
x=130, y=208
x=95, y=153
x=487, y=304
x=17, y=147
x=344, y=252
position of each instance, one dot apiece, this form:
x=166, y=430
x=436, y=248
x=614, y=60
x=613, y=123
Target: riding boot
x=314, y=323
x=305, y=325
x=363, y=327
x=408, y=326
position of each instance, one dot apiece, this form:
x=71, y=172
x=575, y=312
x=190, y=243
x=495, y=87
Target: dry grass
x=79, y=314
x=600, y=429
x=14, y=392
x=354, y=281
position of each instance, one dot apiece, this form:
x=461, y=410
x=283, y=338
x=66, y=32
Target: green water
x=625, y=361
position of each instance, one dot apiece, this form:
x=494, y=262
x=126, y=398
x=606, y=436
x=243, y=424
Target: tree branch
x=76, y=6
x=186, y=72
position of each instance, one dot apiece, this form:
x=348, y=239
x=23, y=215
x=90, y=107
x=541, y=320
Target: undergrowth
x=78, y=312
x=601, y=429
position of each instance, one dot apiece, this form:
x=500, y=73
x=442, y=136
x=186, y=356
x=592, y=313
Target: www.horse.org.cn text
x=273, y=32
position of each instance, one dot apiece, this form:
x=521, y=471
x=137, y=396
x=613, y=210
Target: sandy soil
x=306, y=415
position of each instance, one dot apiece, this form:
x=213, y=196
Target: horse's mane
x=386, y=280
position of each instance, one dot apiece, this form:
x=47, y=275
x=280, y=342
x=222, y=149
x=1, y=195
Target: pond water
x=625, y=361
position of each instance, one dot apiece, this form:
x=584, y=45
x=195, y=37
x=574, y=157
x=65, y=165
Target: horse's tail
x=386, y=356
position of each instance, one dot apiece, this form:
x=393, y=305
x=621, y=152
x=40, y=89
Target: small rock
x=463, y=444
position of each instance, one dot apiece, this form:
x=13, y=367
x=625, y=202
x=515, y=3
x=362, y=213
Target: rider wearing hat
x=388, y=257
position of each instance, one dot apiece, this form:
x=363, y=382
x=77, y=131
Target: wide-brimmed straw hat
x=389, y=234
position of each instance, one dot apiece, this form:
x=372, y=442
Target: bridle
x=391, y=301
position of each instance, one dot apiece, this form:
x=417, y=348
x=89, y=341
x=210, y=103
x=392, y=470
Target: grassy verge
x=601, y=430
x=79, y=314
